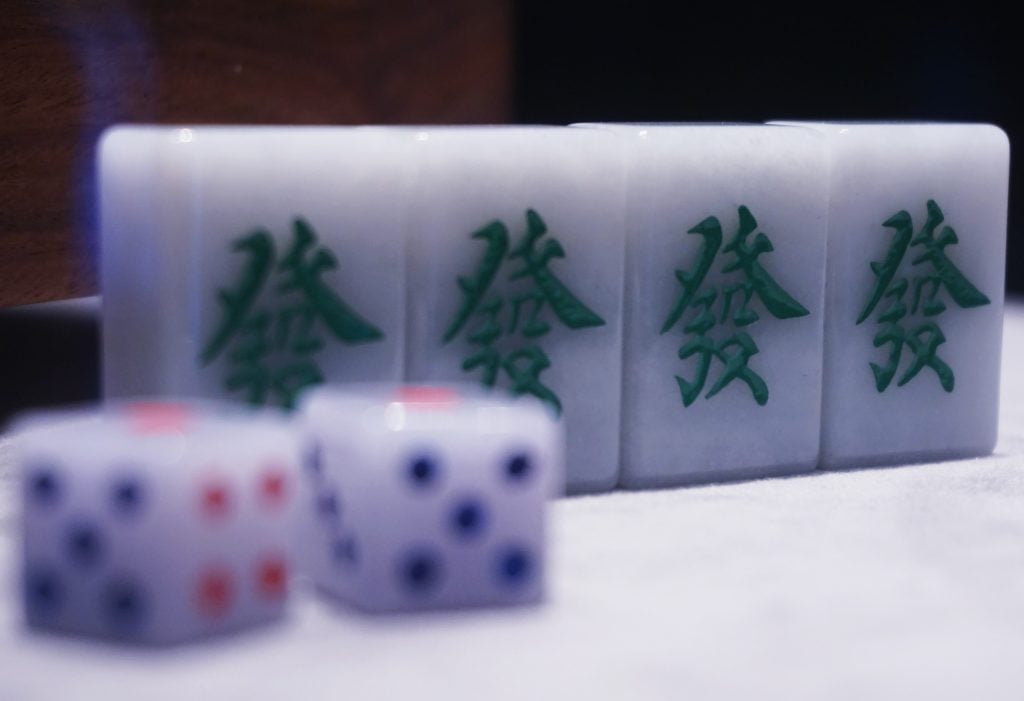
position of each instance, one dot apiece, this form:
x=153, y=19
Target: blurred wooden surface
x=68, y=69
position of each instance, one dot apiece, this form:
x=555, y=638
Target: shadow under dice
x=428, y=497
x=156, y=522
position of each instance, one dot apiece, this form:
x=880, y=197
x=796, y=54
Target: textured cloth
x=901, y=583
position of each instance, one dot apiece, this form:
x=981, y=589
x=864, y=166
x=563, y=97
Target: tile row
x=695, y=302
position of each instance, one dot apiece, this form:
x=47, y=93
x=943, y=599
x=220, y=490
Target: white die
x=156, y=522
x=428, y=497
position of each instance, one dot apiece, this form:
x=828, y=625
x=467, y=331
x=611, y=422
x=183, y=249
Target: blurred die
x=156, y=522
x=428, y=497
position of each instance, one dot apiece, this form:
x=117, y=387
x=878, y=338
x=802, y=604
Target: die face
x=236, y=528
x=92, y=519
x=470, y=533
x=724, y=302
x=516, y=254
x=918, y=220
x=123, y=537
x=281, y=260
x=436, y=507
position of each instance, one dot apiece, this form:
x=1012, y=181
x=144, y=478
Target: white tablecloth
x=899, y=583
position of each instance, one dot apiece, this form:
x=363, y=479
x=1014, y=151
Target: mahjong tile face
x=252, y=263
x=724, y=302
x=516, y=268
x=913, y=318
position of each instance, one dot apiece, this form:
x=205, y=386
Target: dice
x=428, y=496
x=156, y=522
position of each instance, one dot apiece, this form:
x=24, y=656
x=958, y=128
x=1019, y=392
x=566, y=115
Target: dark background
x=663, y=61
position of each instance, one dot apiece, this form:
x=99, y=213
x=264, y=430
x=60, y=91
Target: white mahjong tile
x=515, y=276
x=249, y=263
x=913, y=316
x=725, y=254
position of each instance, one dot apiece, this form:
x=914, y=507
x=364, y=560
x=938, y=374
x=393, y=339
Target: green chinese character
x=734, y=351
x=271, y=348
x=926, y=337
x=499, y=317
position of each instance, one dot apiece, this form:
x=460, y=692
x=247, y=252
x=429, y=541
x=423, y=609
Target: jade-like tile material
x=516, y=275
x=724, y=302
x=251, y=263
x=913, y=316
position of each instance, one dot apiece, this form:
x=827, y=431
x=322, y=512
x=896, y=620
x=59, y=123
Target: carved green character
x=925, y=337
x=271, y=337
x=734, y=350
x=501, y=317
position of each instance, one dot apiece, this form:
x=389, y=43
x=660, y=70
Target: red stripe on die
x=434, y=397
x=215, y=592
x=158, y=417
x=272, y=577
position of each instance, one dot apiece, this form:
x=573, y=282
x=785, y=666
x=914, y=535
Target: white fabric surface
x=899, y=583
